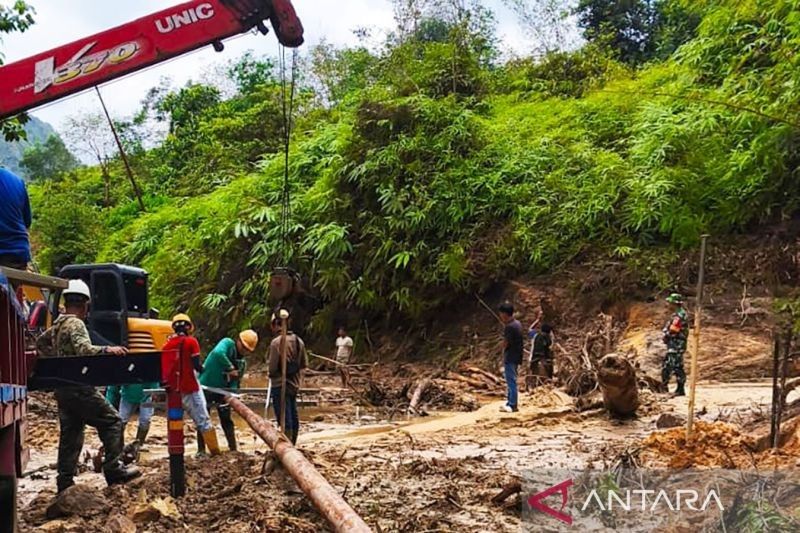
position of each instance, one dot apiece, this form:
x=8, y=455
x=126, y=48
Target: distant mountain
x=11, y=153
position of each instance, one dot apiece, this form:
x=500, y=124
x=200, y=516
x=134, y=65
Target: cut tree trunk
x=422, y=386
x=470, y=381
x=488, y=375
x=617, y=379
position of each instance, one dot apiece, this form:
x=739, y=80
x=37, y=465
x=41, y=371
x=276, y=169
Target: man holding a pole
x=676, y=333
x=287, y=360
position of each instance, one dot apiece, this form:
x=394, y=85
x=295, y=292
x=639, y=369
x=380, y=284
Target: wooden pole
x=122, y=153
x=284, y=347
x=776, y=393
x=696, y=348
x=331, y=505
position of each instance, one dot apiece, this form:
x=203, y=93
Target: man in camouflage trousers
x=676, y=333
x=82, y=405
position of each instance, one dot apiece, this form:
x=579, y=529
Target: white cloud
x=59, y=22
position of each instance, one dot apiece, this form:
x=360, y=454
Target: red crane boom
x=87, y=62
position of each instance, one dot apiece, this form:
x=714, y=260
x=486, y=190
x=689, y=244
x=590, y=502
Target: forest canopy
x=432, y=164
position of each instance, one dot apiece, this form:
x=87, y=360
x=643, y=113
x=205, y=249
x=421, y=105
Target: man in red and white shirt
x=179, y=361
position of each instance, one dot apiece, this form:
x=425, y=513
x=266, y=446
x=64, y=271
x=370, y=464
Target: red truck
x=58, y=73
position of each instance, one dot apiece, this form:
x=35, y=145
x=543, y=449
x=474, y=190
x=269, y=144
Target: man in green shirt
x=224, y=368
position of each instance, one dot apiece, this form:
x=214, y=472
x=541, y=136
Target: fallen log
x=475, y=370
x=617, y=379
x=470, y=381
x=789, y=387
x=417, y=396
x=515, y=487
x=330, y=503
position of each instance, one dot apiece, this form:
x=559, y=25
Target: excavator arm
x=150, y=40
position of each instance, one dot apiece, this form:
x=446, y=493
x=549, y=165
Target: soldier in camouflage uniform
x=82, y=405
x=676, y=333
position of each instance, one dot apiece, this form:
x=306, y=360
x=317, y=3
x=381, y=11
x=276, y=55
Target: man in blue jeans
x=296, y=363
x=512, y=354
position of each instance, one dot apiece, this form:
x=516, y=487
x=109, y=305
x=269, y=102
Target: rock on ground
x=78, y=500
x=670, y=420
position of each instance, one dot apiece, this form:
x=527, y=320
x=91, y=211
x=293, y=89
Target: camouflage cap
x=675, y=298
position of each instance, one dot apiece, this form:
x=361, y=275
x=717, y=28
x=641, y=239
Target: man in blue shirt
x=15, y=219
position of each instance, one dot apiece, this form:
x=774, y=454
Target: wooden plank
x=31, y=279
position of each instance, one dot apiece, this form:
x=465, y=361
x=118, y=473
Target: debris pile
x=226, y=493
x=715, y=445
x=436, y=390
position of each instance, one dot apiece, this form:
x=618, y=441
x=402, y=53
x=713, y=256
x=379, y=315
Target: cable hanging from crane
x=284, y=280
x=287, y=101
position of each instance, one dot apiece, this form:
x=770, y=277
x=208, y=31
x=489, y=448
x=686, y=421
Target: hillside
x=11, y=153
x=428, y=178
x=421, y=182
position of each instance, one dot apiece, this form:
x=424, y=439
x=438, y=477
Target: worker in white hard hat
x=82, y=405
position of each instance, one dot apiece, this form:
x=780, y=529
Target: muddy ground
x=440, y=471
x=433, y=474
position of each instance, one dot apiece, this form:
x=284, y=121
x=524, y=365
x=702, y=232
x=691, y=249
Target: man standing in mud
x=676, y=333
x=512, y=354
x=80, y=406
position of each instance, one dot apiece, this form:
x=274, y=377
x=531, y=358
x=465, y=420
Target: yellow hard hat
x=249, y=338
x=182, y=317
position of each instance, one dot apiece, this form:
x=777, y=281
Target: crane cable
x=287, y=101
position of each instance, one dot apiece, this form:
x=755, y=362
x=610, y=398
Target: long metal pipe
x=329, y=503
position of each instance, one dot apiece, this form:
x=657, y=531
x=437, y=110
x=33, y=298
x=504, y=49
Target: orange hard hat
x=249, y=339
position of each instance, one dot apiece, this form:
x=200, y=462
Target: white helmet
x=77, y=286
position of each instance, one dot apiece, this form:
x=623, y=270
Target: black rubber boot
x=680, y=390
x=121, y=474
x=230, y=433
x=63, y=484
x=665, y=380
x=201, y=445
x=130, y=454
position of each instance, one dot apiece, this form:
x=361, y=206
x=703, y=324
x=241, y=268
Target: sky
x=59, y=22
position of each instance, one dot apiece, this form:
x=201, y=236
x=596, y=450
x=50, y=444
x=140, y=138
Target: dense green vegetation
x=429, y=167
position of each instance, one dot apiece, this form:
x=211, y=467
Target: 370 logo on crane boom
x=48, y=74
x=80, y=65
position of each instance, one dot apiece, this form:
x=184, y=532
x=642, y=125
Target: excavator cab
x=119, y=311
